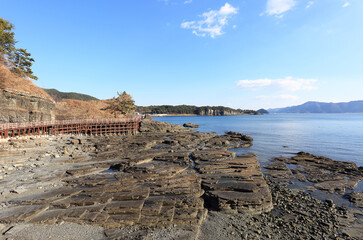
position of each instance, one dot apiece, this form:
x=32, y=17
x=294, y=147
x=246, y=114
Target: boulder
x=148, y=125
x=190, y=125
x=357, y=199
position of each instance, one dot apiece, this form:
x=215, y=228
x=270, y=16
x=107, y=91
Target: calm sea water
x=337, y=136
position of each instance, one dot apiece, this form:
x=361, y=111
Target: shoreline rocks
x=296, y=215
x=232, y=184
x=324, y=173
x=148, y=125
x=150, y=180
x=190, y=125
x=167, y=182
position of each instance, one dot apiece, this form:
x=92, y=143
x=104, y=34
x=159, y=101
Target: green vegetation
x=164, y=109
x=188, y=109
x=123, y=104
x=18, y=60
x=57, y=95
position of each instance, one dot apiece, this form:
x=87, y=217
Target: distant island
x=263, y=111
x=194, y=110
x=321, y=107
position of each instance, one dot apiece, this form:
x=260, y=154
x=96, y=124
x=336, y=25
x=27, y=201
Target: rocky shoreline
x=296, y=215
x=167, y=182
x=330, y=181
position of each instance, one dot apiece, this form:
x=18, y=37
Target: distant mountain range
x=321, y=107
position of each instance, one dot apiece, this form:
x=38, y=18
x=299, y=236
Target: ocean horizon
x=336, y=136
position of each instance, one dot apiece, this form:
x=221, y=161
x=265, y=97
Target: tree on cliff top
x=123, y=104
x=18, y=60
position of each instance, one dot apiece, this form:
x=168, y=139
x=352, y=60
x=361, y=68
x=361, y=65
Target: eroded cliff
x=20, y=107
x=22, y=101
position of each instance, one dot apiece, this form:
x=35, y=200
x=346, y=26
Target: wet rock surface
x=296, y=215
x=325, y=178
x=325, y=174
x=356, y=198
x=231, y=140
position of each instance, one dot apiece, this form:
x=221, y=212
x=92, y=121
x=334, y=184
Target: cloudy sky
x=245, y=54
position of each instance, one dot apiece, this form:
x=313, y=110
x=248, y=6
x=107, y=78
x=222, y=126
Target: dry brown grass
x=65, y=109
x=77, y=109
x=11, y=81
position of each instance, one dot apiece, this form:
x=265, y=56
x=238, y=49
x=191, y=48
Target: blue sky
x=244, y=54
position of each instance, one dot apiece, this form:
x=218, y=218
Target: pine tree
x=123, y=104
x=18, y=60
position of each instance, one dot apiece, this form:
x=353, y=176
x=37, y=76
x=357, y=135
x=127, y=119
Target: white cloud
x=278, y=7
x=310, y=3
x=254, y=83
x=288, y=84
x=188, y=1
x=227, y=9
x=212, y=22
x=283, y=97
x=291, y=84
x=346, y=4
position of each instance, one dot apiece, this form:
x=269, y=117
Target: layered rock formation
x=21, y=107
x=232, y=185
x=166, y=176
x=21, y=100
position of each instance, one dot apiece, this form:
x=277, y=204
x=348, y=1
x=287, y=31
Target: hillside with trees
x=58, y=95
x=194, y=110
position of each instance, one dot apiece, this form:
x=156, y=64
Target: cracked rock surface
x=167, y=182
x=158, y=179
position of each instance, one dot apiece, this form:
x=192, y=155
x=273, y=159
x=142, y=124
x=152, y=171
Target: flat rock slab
x=157, y=179
x=21, y=214
x=232, y=184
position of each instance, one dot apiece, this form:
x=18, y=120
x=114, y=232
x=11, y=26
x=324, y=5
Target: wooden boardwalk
x=83, y=126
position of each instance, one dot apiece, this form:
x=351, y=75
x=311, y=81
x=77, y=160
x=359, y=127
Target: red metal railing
x=9, y=126
x=117, y=125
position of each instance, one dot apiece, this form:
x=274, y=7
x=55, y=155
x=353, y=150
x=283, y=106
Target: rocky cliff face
x=20, y=107
x=217, y=112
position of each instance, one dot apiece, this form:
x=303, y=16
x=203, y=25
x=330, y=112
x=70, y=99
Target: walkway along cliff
x=82, y=126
